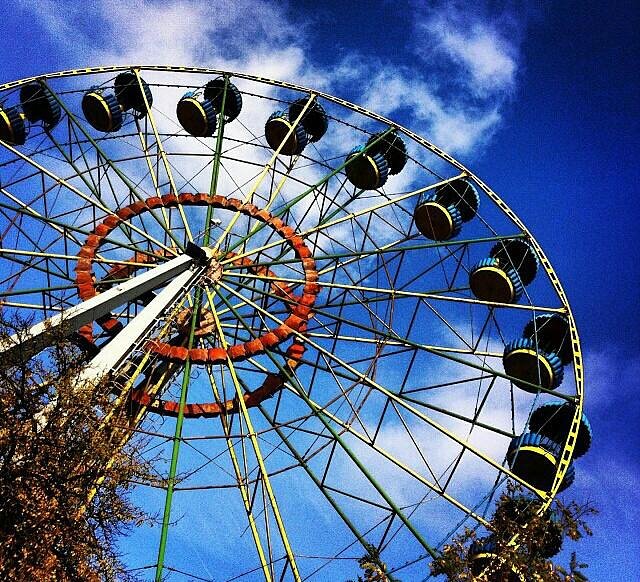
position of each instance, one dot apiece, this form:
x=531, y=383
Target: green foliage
x=537, y=537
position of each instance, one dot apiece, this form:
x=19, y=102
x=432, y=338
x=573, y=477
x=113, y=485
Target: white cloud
x=472, y=51
x=478, y=47
x=244, y=35
x=388, y=91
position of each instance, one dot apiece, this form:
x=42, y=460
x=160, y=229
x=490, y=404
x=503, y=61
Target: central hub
x=214, y=272
x=206, y=324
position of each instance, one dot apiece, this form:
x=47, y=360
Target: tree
x=539, y=537
x=64, y=476
x=374, y=569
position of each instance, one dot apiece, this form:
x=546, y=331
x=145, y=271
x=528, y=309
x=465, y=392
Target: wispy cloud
x=244, y=35
x=483, y=44
x=453, y=92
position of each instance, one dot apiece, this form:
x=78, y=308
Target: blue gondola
x=196, y=114
x=554, y=421
x=102, y=110
x=391, y=147
x=534, y=458
x=491, y=280
x=512, y=264
x=132, y=94
x=365, y=171
x=276, y=130
x=439, y=213
x=314, y=120
x=435, y=220
x=527, y=363
x=214, y=92
x=39, y=104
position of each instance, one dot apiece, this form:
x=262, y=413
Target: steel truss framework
x=313, y=374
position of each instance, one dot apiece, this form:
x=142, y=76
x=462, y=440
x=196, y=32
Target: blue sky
x=538, y=100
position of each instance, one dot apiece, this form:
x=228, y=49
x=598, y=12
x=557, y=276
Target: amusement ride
x=329, y=334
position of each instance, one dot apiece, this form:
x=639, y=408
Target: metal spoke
x=258, y=454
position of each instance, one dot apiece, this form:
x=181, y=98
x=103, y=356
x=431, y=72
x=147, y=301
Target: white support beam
x=117, y=350
x=36, y=338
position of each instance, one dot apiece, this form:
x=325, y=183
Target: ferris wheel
x=332, y=334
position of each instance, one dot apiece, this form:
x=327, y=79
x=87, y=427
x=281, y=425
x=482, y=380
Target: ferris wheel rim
x=577, y=356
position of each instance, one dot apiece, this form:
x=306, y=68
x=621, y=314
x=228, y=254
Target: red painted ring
x=297, y=321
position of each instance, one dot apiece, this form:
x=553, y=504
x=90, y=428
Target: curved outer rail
x=568, y=448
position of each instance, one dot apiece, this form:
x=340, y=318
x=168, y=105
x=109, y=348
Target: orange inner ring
x=300, y=312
